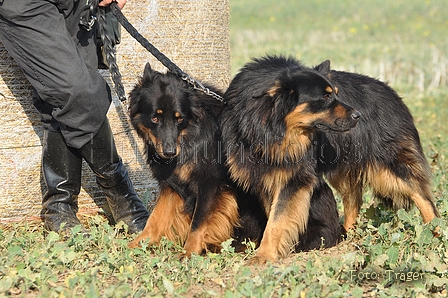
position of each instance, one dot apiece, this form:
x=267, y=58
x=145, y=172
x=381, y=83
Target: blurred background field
x=403, y=42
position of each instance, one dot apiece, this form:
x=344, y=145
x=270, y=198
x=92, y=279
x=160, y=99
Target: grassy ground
x=389, y=254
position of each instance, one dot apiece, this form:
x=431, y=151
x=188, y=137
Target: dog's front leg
x=287, y=219
x=206, y=194
x=168, y=219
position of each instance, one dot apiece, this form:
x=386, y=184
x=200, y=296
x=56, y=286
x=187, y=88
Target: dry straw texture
x=193, y=34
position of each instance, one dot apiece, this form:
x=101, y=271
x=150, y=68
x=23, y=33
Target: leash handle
x=159, y=55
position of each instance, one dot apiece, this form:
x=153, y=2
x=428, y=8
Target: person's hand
x=120, y=3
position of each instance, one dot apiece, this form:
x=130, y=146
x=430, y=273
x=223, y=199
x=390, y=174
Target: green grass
x=388, y=254
x=403, y=42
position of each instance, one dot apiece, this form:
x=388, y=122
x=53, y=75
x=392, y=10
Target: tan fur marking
x=167, y=219
x=272, y=183
x=409, y=155
x=159, y=112
x=400, y=191
x=295, y=144
x=177, y=114
x=223, y=219
x=182, y=135
x=217, y=228
x=329, y=89
x=389, y=185
x=178, y=143
x=148, y=134
x=274, y=89
x=352, y=200
x=296, y=141
x=351, y=193
x=385, y=183
x=282, y=229
x=156, y=142
x=195, y=242
x=238, y=173
x=298, y=118
x=340, y=112
x=426, y=209
x=336, y=90
x=184, y=172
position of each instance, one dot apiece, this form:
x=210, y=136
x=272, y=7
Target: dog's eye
x=155, y=120
x=180, y=120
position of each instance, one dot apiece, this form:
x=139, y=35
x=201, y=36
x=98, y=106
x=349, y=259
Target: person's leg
x=61, y=167
x=113, y=178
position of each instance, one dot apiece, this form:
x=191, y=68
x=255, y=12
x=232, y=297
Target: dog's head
x=160, y=110
x=280, y=94
x=276, y=100
x=312, y=100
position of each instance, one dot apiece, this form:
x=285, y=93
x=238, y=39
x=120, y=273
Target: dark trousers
x=59, y=58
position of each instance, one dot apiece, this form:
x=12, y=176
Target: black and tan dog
x=274, y=108
x=383, y=151
x=198, y=204
x=195, y=206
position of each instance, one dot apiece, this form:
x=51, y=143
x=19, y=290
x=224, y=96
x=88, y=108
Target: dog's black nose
x=356, y=115
x=169, y=151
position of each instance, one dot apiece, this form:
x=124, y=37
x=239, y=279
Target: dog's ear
x=147, y=73
x=324, y=68
x=275, y=89
x=284, y=86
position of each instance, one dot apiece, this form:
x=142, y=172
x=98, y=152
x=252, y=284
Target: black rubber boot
x=61, y=167
x=113, y=178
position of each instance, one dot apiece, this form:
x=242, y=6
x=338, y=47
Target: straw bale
x=193, y=34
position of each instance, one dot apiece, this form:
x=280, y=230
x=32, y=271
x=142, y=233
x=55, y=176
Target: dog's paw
x=134, y=243
x=436, y=232
x=261, y=260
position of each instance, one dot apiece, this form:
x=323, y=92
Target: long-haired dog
x=383, y=151
x=178, y=124
x=274, y=108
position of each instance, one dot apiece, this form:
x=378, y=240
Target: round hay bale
x=193, y=34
